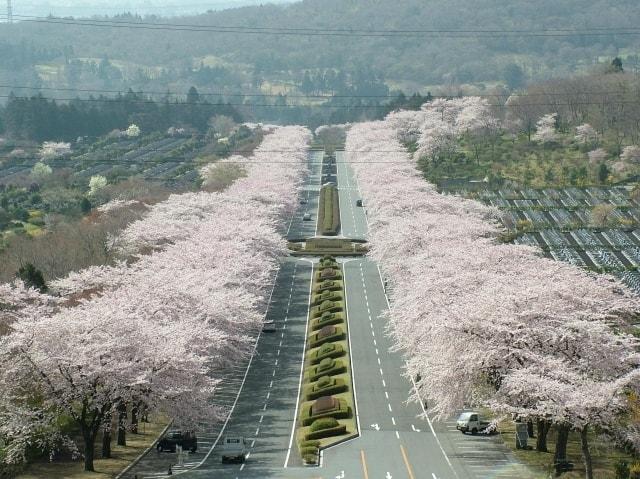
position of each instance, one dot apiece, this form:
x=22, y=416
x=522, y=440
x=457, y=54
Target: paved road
x=298, y=228
x=352, y=217
x=394, y=442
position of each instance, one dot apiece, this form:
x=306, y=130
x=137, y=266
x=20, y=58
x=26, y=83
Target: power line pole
x=9, y=12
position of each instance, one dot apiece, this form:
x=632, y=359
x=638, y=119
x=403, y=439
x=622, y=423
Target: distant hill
x=148, y=58
x=169, y=8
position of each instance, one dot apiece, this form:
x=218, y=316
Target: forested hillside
x=149, y=58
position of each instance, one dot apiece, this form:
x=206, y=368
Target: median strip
x=326, y=413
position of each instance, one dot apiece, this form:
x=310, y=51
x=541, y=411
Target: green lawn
x=604, y=455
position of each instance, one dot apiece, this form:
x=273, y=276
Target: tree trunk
x=134, y=418
x=89, y=441
x=543, y=430
x=586, y=454
x=530, y=432
x=560, y=455
x=106, y=437
x=122, y=424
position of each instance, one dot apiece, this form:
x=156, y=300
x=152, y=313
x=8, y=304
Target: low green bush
x=318, y=298
x=324, y=423
x=316, y=390
x=308, y=451
x=310, y=458
x=329, y=285
x=327, y=307
x=327, y=350
x=326, y=320
x=323, y=433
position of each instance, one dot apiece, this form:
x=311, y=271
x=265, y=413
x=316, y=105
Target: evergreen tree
x=32, y=277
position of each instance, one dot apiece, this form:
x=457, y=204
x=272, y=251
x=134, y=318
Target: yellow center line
x=406, y=462
x=364, y=465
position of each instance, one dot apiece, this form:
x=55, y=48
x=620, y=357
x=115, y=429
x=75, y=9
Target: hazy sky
x=110, y=7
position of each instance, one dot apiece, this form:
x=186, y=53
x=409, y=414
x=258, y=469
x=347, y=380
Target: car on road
x=306, y=217
x=472, y=422
x=269, y=327
x=234, y=449
x=359, y=203
x=303, y=201
x=187, y=440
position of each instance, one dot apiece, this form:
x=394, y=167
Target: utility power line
x=164, y=94
x=325, y=105
x=327, y=32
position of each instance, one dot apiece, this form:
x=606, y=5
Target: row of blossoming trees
x=484, y=323
x=156, y=332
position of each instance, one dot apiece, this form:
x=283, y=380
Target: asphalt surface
x=394, y=441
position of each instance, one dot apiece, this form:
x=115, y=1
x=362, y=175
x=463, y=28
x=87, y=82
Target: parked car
x=269, y=327
x=472, y=422
x=234, y=449
x=359, y=203
x=306, y=217
x=187, y=440
x=303, y=201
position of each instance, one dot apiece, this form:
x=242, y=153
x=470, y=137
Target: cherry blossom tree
x=133, y=131
x=161, y=328
x=586, y=134
x=51, y=149
x=631, y=154
x=598, y=156
x=546, y=129
x=474, y=313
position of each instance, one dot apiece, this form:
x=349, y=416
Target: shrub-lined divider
x=329, y=211
x=327, y=406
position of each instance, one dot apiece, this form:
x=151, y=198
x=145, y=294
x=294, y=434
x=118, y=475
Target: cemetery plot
x=563, y=223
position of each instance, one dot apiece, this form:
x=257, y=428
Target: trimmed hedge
x=324, y=320
x=329, y=274
x=318, y=298
x=327, y=350
x=342, y=412
x=324, y=423
x=336, y=367
x=308, y=451
x=329, y=211
x=315, y=341
x=329, y=285
x=334, y=431
x=310, y=443
x=336, y=386
x=326, y=307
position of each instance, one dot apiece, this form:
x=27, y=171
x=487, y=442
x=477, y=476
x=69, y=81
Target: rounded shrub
x=324, y=382
x=308, y=450
x=324, y=423
x=326, y=363
x=310, y=458
x=327, y=348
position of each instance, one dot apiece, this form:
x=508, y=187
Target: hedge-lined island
x=327, y=415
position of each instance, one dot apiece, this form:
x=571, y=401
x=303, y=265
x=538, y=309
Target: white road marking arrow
x=389, y=476
x=414, y=428
x=376, y=427
x=341, y=476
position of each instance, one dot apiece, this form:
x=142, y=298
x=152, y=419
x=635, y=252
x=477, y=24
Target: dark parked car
x=359, y=203
x=187, y=440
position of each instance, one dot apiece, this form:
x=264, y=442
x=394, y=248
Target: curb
x=144, y=453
